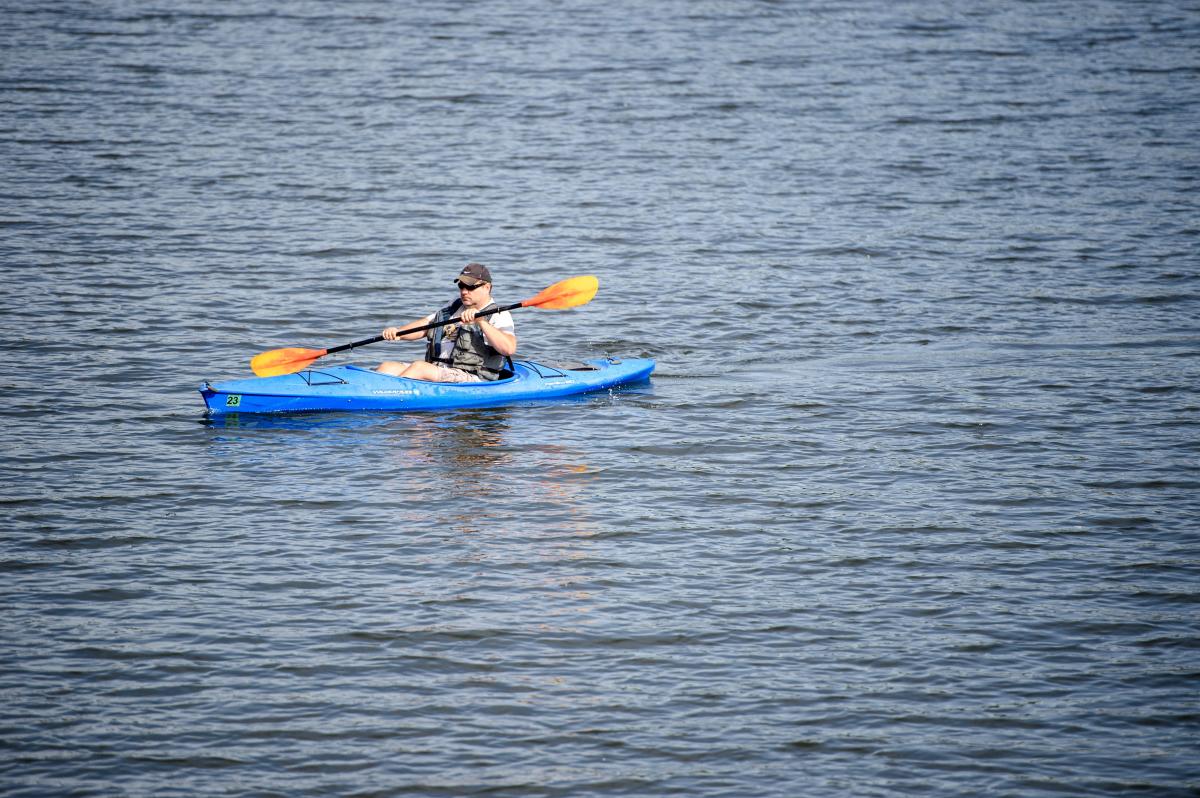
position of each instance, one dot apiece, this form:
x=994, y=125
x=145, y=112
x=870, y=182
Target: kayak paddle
x=569, y=293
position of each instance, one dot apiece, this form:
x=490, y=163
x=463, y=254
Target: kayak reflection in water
x=472, y=350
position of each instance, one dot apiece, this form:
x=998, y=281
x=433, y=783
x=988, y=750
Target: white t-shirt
x=502, y=321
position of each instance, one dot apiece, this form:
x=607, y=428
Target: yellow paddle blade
x=570, y=293
x=283, y=361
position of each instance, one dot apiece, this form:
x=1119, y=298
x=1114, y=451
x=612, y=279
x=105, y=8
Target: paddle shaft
x=422, y=328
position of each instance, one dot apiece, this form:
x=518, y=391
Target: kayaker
x=471, y=350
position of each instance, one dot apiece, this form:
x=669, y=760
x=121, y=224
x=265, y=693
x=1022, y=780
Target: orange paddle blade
x=570, y=293
x=283, y=361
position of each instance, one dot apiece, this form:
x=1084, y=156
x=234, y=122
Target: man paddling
x=470, y=350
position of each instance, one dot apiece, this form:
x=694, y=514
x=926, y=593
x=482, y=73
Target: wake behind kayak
x=356, y=388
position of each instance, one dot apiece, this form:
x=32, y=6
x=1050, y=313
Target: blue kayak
x=357, y=388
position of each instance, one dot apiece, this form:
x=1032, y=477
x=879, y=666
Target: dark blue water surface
x=909, y=507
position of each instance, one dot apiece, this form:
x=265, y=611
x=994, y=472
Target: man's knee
x=391, y=367
x=420, y=370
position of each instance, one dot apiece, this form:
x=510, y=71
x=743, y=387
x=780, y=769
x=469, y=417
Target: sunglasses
x=469, y=287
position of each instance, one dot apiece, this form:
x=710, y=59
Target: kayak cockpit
x=506, y=375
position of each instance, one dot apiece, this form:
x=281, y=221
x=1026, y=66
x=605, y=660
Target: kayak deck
x=355, y=388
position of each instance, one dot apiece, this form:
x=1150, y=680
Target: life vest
x=471, y=352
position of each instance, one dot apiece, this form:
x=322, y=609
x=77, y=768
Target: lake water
x=909, y=507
